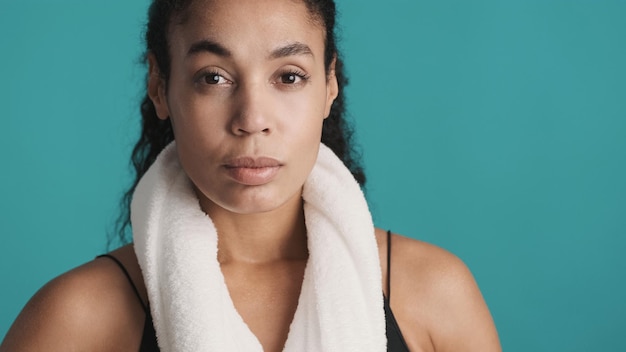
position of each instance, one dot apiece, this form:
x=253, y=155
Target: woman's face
x=247, y=96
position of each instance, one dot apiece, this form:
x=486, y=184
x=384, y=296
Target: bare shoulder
x=90, y=308
x=435, y=298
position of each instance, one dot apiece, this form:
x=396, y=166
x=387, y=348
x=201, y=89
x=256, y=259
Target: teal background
x=495, y=129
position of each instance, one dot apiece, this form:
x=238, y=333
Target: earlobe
x=156, y=88
x=332, y=88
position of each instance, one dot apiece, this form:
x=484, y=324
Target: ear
x=332, y=87
x=156, y=88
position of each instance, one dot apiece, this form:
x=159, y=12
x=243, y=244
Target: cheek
x=302, y=111
x=196, y=120
x=302, y=131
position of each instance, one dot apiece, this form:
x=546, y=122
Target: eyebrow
x=209, y=46
x=290, y=49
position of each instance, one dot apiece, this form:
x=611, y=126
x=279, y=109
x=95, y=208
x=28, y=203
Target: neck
x=277, y=235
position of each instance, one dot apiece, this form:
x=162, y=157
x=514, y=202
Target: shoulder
x=435, y=298
x=92, y=307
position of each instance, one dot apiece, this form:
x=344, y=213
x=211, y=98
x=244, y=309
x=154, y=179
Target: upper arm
x=85, y=309
x=462, y=321
x=435, y=297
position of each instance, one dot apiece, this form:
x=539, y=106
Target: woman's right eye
x=214, y=78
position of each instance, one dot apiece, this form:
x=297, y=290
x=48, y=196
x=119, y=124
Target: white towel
x=340, y=307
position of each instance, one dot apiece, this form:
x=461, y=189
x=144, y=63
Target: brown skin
x=93, y=308
x=252, y=103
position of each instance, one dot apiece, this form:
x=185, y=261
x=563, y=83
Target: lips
x=252, y=171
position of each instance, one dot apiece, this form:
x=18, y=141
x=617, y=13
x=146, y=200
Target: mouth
x=252, y=163
x=252, y=171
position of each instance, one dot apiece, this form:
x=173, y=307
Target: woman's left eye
x=293, y=78
x=290, y=78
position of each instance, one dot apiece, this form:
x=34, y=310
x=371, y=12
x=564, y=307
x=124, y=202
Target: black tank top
x=395, y=340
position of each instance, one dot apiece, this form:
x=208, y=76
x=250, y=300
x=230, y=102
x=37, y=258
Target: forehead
x=246, y=25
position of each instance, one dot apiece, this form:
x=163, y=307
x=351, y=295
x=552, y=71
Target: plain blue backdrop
x=494, y=129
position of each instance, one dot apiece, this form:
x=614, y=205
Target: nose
x=252, y=111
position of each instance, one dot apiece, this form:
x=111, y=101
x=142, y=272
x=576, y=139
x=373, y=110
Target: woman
x=248, y=234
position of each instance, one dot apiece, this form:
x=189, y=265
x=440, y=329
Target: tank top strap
x=395, y=339
x=389, y=266
x=130, y=280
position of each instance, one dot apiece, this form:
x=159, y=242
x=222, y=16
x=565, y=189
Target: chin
x=250, y=202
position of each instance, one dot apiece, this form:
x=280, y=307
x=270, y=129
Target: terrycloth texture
x=340, y=306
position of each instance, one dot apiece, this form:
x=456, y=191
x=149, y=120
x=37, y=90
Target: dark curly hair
x=156, y=133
